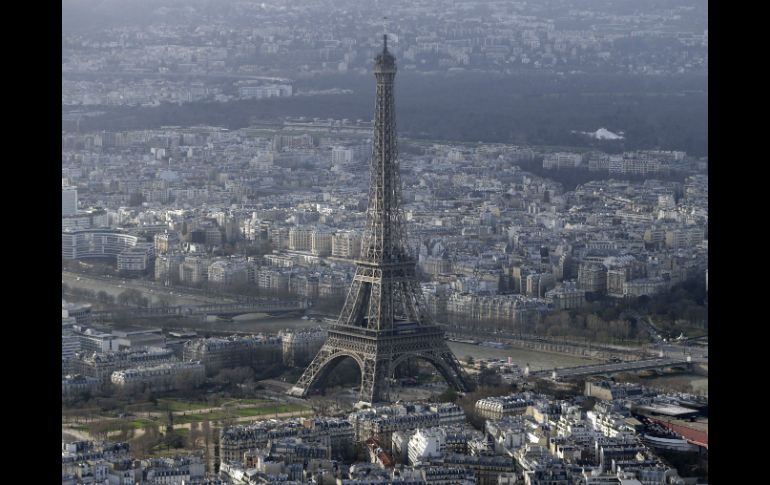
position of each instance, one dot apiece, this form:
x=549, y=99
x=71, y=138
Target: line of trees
x=539, y=109
x=683, y=308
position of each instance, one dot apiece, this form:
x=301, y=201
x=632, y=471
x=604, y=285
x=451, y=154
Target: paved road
x=70, y=435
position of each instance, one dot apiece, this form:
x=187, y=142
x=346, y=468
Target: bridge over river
x=613, y=368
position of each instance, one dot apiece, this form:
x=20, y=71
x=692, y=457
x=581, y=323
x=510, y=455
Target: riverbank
x=537, y=360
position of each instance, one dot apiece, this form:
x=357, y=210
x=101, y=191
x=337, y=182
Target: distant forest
x=529, y=108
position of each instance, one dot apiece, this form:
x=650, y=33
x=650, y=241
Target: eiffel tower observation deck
x=384, y=321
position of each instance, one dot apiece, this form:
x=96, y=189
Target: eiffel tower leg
x=456, y=375
x=375, y=386
x=319, y=369
x=353, y=303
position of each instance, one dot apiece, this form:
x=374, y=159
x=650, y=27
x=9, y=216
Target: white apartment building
x=426, y=444
x=300, y=239
x=562, y=160
x=346, y=244
x=160, y=377
x=69, y=201
x=321, y=242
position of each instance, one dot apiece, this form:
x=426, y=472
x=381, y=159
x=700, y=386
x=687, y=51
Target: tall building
x=194, y=269
x=161, y=377
x=166, y=242
x=321, y=242
x=167, y=268
x=341, y=155
x=300, y=347
x=592, y=277
x=234, y=351
x=69, y=201
x=426, y=444
x=300, y=239
x=346, y=244
x=384, y=321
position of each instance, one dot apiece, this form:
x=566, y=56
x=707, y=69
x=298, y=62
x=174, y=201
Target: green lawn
x=118, y=424
x=185, y=415
x=179, y=405
x=142, y=422
x=264, y=410
x=197, y=417
x=239, y=402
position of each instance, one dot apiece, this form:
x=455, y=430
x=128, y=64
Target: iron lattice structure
x=384, y=321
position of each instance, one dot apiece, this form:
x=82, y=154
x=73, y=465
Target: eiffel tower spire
x=383, y=322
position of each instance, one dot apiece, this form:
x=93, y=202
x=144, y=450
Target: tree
x=195, y=435
x=130, y=296
x=173, y=440
x=186, y=382
x=170, y=422
x=233, y=377
x=206, y=430
x=164, y=301
x=136, y=199
x=141, y=444
x=489, y=377
x=450, y=395
x=99, y=429
x=104, y=297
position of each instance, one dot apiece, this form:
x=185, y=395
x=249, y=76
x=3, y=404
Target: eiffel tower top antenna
x=385, y=33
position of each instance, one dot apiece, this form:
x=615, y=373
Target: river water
x=256, y=322
x=263, y=323
x=537, y=360
x=521, y=357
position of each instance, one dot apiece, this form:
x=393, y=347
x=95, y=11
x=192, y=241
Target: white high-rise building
x=341, y=155
x=346, y=244
x=426, y=444
x=69, y=201
x=321, y=242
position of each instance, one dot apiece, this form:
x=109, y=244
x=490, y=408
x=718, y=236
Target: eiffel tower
x=384, y=321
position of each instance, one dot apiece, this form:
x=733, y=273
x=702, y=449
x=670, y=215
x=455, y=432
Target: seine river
x=262, y=323
x=521, y=357
x=536, y=360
